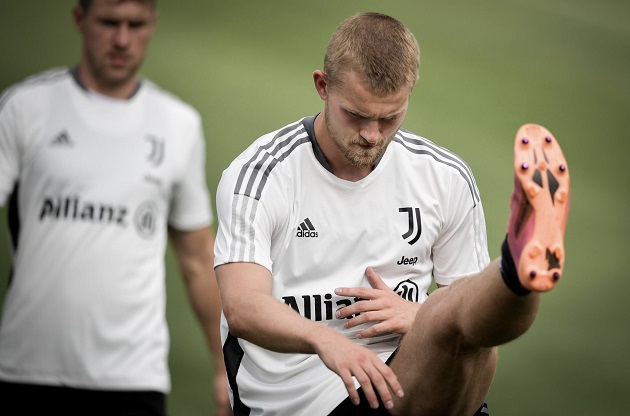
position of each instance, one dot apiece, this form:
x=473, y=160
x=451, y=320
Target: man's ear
x=320, y=79
x=78, y=16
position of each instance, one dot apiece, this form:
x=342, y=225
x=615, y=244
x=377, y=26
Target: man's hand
x=349, y=360
x=380, y=304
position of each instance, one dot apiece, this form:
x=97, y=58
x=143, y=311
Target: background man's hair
x=85, y=4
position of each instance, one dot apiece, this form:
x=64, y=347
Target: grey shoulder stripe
x=254, y=173
x=419, y=145
x=47, y=77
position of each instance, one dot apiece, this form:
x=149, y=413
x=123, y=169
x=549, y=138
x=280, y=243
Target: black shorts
x=32, y=399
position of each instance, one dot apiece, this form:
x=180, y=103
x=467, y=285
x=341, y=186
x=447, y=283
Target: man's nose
x=122, y=34
x=370, y=131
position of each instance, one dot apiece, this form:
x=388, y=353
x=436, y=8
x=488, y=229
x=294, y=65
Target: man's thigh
x=23, y=399
x=346, y=408
x=433, y=363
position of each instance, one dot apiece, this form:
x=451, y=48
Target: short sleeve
x=190, y=204
x=462, y=247
x=9, y=147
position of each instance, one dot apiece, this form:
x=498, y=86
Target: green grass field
x=487, y=67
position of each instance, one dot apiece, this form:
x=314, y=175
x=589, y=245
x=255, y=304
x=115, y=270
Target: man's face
x=361, y=123
x=115, y=38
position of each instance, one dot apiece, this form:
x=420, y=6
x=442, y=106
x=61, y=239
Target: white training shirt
x=416, y=216
x=94, y=182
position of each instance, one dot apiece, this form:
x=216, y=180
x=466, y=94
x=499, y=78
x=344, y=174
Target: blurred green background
x=487, y=67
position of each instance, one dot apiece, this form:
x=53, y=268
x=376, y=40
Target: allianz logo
x=145, y=217
x=322, y=307
x=73, y=208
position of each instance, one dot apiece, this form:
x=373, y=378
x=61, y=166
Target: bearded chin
x=351, y=149
x=109, y=77
x=361, y=159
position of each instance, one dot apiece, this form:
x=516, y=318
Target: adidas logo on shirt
x=306, y=229
x=62, y=140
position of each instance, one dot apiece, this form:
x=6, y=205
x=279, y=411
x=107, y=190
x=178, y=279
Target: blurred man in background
x=98, y=166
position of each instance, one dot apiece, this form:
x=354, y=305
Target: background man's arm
x=195, y=254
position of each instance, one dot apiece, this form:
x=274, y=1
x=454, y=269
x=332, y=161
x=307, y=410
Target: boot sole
x=542, y=170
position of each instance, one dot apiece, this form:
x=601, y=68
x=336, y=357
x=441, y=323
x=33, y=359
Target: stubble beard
x=353, y=149
x=111, y=78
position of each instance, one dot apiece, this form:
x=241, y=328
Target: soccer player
x=332, y=228
x=95, y=165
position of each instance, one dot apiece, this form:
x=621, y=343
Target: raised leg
x=446, y=362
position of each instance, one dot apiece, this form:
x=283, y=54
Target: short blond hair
x=382, y=50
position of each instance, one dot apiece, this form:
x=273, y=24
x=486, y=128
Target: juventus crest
x=415, y=225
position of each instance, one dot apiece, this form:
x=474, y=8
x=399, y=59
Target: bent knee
x=442, y=317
